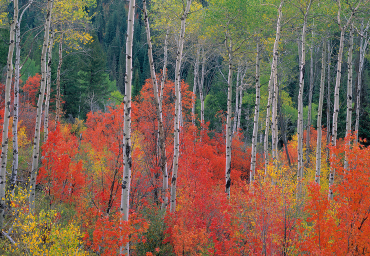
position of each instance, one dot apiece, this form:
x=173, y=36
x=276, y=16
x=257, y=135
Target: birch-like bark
x=240, y=104
x=36, y=141
x=228, y=120
x=236, y=99
x=48, y=85
x=58, y=99
x=274, y=125
x=196, y=67
x=177, y=107
x=127, y=161
x=319, y=116
x=5, y=138
x=165, y=173
x=328, y=105
x=363, y=46
x=300, y=104
x=256, y=117
x=13, y=178
x=201, y=88
x=271, y=83
x=309, y=114
x=161, y=135
x=349, y=92
x=337, y=85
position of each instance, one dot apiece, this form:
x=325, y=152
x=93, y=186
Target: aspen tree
x=177, y=107
x=319, y=116
x=229, y=46
x=36, y=141
x=127, y=161
x=161, y=135
x=337, y=82
x=363, y=45
x=201, y=88
x=328, y=103
x=48, y=85
x=349, y=91
x=274, y=124
x=13, y=178
x=239, y=107
x=164, y=70
x=236, y=99
x=271, y=82
x=58, y=98
x=300, y=101
x=5, y=138
x=309, y=114
x=256, y=116
x=196, y=67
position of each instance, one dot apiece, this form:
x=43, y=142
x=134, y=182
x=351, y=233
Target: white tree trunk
x=336, y=106
x=319, y=116
x=36, y=141
x=236, y=99
x=5, y=138
x=240, y=105
x=228, y=121
x=363, y=46
x=201, y=88
x=58, y=99
x=271, y=83
x=161, y=135
x=48, y=85
x=300, y=105
x=256, y=117
x=309, y=114
x=349, y=91
x=274, y=125
x=164, y=71
x=177, y=107
x=127, y=160
x=328, y=105
x=13, y=178
x=196, y=67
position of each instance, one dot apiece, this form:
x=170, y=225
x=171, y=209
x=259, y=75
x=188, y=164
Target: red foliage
x=31, y=89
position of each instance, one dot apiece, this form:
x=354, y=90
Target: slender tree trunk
x=240, y=104
x=274, y=125
x=349, y=91
x=328, y=105
x=36, y=141
x=300, y=105
x=127, y=160
x=271, y=83
x=58, y=100
x=319, y=116
x=196, y=67
x=256, y=117
x=165, y=171
x=201, y=88
x=228, y=120
x=48, y=86
x=363, y=46
x=13, y=178
x=309, y=114
x=336, y=106
x=177, y=107
x=5, y=138
x=161, y=135
x=236, y=100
